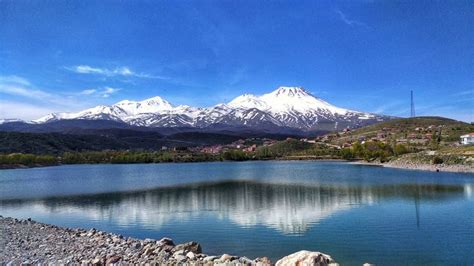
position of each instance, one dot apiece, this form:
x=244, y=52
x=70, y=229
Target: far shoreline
x=453, y=168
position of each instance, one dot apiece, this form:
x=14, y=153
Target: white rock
x=307, y=258
x=190, y=255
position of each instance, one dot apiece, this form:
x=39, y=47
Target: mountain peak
x=125, y=102
x=247, y=101
x=245, y=97
x=156, y=104
x=155, y=100
x=290, y=91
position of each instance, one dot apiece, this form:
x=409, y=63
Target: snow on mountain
x=287, y=99
x=248, y=101
x=10, y=120
x=152, y=105
x=285, y=107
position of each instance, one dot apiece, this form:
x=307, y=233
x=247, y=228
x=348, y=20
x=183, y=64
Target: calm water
x=355, y=213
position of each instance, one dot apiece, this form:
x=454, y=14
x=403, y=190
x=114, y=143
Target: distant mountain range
x=286, y=109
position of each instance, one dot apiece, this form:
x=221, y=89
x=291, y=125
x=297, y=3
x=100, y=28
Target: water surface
x=355, y=213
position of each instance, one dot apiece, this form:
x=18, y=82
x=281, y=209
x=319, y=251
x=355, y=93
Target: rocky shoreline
x=453, y=168
x=402, y=164
x=30, y=242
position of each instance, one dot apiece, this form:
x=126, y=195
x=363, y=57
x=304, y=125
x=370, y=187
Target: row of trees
x=117, y=157
x=27, y=159
x=134, y=157
x=370, y=151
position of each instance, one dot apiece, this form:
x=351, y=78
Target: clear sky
x=362, y=55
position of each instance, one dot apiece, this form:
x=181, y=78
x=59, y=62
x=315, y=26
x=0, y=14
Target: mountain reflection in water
x=289, y=209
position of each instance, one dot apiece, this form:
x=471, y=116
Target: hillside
x=417, y=132
x=110, y=139
x=427, y=143
x=421, y=143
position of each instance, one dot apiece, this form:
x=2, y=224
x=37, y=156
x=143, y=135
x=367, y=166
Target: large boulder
x=187, y=247
x=165, y=244
x=306, y=258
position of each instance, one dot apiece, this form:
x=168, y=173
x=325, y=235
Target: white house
x=467, y=139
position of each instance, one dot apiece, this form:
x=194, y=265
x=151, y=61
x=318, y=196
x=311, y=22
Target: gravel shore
x=29, y=242
x=457, y=168
x=454, y=168
x=431, y=167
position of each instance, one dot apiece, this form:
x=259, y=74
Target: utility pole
x=412, y=105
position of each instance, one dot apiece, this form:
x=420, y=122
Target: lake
x=355, y=213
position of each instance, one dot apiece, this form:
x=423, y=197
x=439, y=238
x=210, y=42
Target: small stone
x=96, y=261
x=190, y=255
x=246, y=261
x=91, y=232
x=226, y=258
x=113, y=259
x=163, y=256
x=179, y=252
x=148, y=251
x=209, y=258
x=180, y=258
x=263, y=261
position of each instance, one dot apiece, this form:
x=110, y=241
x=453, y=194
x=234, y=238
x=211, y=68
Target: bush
x=235, y=155
x=400, y=149
x=437, y=160
x=347, y=154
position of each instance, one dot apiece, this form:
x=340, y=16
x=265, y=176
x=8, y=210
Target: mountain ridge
x=291, y=107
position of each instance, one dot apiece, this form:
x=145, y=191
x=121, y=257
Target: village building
x=467, y=139
x=212, y=149
x=251, y=148
x=347, y=145
x=402, y=141
x=419, y=141
x=381, y=135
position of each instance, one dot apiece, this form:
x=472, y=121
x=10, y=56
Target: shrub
x=437, y=160
x=347, y=153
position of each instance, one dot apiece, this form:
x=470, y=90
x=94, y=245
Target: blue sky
x=362, y=55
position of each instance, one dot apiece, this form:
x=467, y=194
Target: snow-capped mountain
x=10, y=120
x=291, y=107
